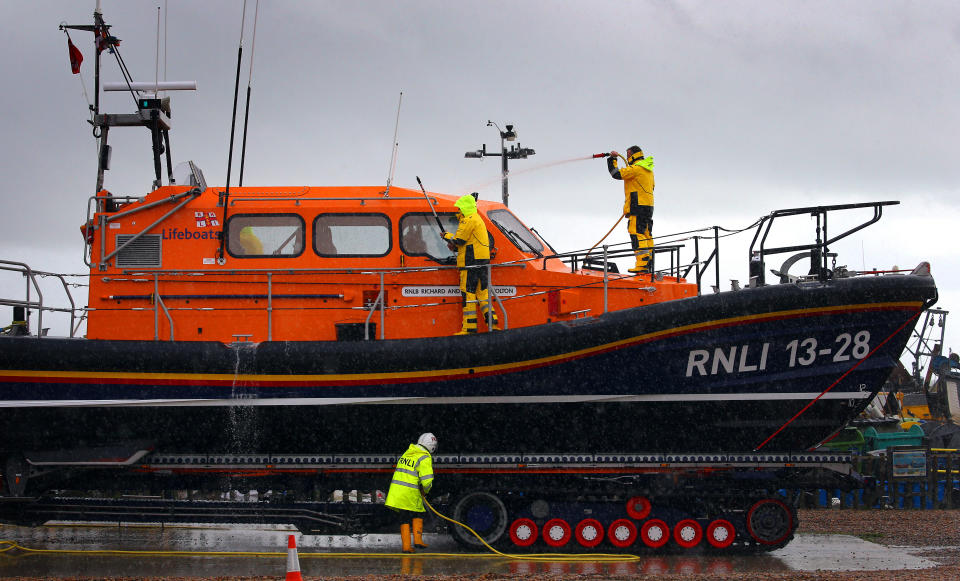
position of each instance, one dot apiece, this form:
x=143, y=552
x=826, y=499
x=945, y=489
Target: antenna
x=156, y=70
x=246, y=108
x=225, y=198
x=396, y=145
x=165, y=21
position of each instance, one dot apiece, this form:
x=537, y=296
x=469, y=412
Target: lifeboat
x=323, y=319
x=330, y=317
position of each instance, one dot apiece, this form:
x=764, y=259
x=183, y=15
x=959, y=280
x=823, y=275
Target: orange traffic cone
x=293, y=563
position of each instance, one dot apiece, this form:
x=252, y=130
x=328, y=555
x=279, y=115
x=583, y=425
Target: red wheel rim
x=622, y=533
x=688, y=533
x=774, y=521
x=589, y=532
x=720, y=534
x=523, y=532
x=556, y=532
x=655, y=533
x=638, y=507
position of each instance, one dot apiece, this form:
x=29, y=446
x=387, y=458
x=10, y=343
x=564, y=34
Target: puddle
x=804, y=553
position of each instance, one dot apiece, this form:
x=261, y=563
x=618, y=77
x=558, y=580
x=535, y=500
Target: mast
x=153, y=112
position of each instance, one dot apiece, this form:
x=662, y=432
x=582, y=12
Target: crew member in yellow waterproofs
x=472, y=244
x=414, y=472
x=638, y=185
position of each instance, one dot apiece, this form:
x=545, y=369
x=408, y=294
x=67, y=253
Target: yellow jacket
x=471, y=238
x=637, y=179
x=414, y=471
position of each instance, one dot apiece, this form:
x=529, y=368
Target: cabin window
x=351, y=235
x=515, y=231
x=263, y=235
x=420, y=235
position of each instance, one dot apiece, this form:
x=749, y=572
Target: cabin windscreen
x=420, y=235
x=260, y=235
x=351, y=235
x=515, y=231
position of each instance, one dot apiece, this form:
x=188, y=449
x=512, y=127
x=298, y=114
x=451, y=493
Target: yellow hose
x=620, y=219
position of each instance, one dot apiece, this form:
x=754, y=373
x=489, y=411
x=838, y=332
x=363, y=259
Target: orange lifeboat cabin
x=325, y=264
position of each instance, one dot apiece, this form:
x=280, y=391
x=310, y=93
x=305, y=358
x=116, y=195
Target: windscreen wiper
x=445, y=261
x=516, y=237
x=544, y=240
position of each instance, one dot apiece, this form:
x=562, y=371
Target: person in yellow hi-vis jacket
x=414, y=473
x=472, y=243
x=638, y=184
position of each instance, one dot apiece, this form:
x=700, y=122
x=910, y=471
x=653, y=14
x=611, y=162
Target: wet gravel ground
x=933, y=535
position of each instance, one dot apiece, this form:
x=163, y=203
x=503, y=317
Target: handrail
x=105, y=219
x=297, y=200
x=378, y=303
x=158, y=301
x=606, y=280
x=820, y=248
x=701, y=267
x=269, y=306
x=28, y=304
x=275, y=270
x=492, y=291
x=97, y=203
x=156, y=276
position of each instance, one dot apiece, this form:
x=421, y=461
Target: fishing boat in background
x=920, y=407
x=261, y=319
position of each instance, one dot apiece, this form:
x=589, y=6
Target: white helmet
x=428, y=441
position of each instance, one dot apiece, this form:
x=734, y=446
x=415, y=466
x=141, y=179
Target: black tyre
x=771, y=523
x=484, y=513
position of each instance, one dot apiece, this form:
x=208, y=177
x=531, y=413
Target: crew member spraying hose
x=414, y=473
x=638, y=185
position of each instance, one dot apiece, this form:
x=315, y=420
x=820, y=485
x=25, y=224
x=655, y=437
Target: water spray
x=481, y=185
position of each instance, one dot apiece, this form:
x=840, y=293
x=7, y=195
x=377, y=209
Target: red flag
x=76, y=57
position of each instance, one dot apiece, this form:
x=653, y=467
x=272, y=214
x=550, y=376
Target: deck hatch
x=143, y=252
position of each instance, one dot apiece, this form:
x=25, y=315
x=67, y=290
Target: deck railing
x=667, y=260
x=28, y=303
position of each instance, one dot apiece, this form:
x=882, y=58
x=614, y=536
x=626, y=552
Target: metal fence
x=904, y=477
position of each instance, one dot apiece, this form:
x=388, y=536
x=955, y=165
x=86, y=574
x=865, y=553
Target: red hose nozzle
x=596, y=155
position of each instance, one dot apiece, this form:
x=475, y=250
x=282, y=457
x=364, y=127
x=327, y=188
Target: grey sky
x=747, y=107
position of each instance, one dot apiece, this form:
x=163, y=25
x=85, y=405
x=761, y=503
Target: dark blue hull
x=774, y=368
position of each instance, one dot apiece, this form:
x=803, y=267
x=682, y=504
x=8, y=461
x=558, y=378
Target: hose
x=620, y=219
